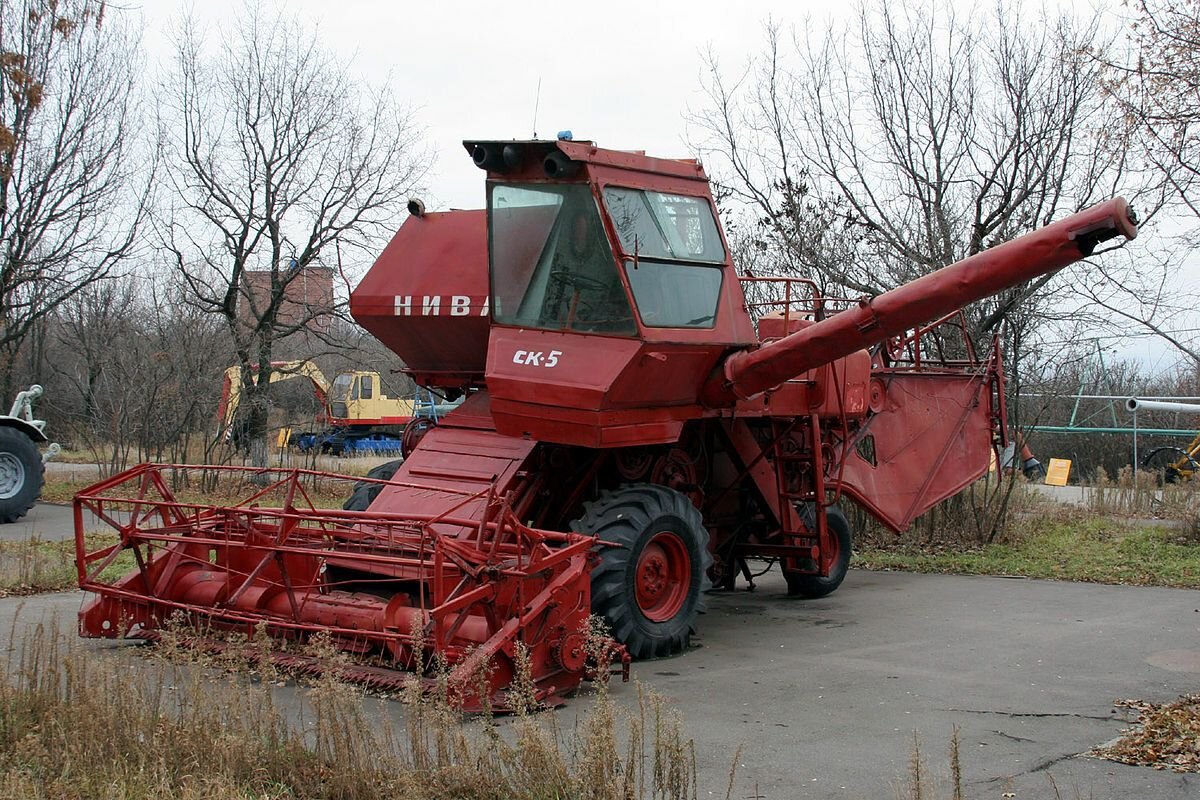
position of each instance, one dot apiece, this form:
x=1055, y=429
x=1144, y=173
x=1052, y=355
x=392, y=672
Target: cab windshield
x=340, y=389
x=551, y=263
x=673, y=255
x=670, y=226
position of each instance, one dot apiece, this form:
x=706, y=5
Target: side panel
x=931, y=439
x=593, y=391
x=461, y=466
x=426, y=297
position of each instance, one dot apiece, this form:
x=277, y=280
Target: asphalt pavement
x=46, y=520
x=824, y=697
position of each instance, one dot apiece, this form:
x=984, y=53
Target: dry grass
x=62, y=490
x=214, y=487
x=195, y=484
x=79, y=723
x=36, y=565
x=919, y=784
x=1141, y=496
x=965, y=520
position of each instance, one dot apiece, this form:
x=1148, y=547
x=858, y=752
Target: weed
x=1141, y=496
x=36, y=565
x=78, y=722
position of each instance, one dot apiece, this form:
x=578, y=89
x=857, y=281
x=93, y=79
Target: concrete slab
x=824, y=696
x=1067, y=495
x=46, y=520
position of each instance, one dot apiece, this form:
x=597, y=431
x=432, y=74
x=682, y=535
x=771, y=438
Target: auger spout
x=874, y=319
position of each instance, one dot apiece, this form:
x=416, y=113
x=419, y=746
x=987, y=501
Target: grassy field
x=1128, y=532
x=60, y=490
x=1077, y=546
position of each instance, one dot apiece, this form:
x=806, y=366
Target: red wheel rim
x=662, y=577
x=834, y=549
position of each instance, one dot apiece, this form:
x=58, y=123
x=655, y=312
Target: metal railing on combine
x=946, y=342
x=463, y=587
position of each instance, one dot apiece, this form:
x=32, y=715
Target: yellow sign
x=281, y=441
x=1057, y=471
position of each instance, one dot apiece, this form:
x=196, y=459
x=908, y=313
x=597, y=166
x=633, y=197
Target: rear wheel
x=1173, y=464
x=813, y=586
x=366, y=492
x=21, y=474
x=649, y=588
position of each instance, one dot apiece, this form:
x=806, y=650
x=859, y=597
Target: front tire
x=21, y=474
x=814, y=586
x=365, y=492
x=649, y=588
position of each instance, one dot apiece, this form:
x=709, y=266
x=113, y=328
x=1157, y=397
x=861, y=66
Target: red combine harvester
x=633, y=428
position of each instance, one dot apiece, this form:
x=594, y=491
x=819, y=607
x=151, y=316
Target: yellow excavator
x=1174, y=464
x=357, y=415
x=1177, y=464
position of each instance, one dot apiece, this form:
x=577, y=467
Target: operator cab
x=612, y=293
x=349, y=386
x=669, y=254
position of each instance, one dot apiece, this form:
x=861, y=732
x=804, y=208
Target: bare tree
x=1156, y=85
x=73, y=177
x=134, y=371
x=870, y=154
x=281, y=163
x=875, y=153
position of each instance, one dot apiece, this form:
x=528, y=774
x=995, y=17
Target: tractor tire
x=21, y=474
x=650, y=586
x=814, y=586
x=365, y=493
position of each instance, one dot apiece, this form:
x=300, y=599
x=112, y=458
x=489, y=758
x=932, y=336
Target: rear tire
x=814, y=586
x=649, y=588
x=21, y=474
x=364, y=492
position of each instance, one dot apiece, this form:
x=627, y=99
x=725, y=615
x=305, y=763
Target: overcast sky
x=621, y=73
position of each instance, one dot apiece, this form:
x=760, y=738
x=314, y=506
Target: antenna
x=537, y=98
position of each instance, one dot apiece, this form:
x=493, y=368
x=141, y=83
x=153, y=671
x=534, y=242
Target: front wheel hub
x=662, y=577
x=12, y=475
